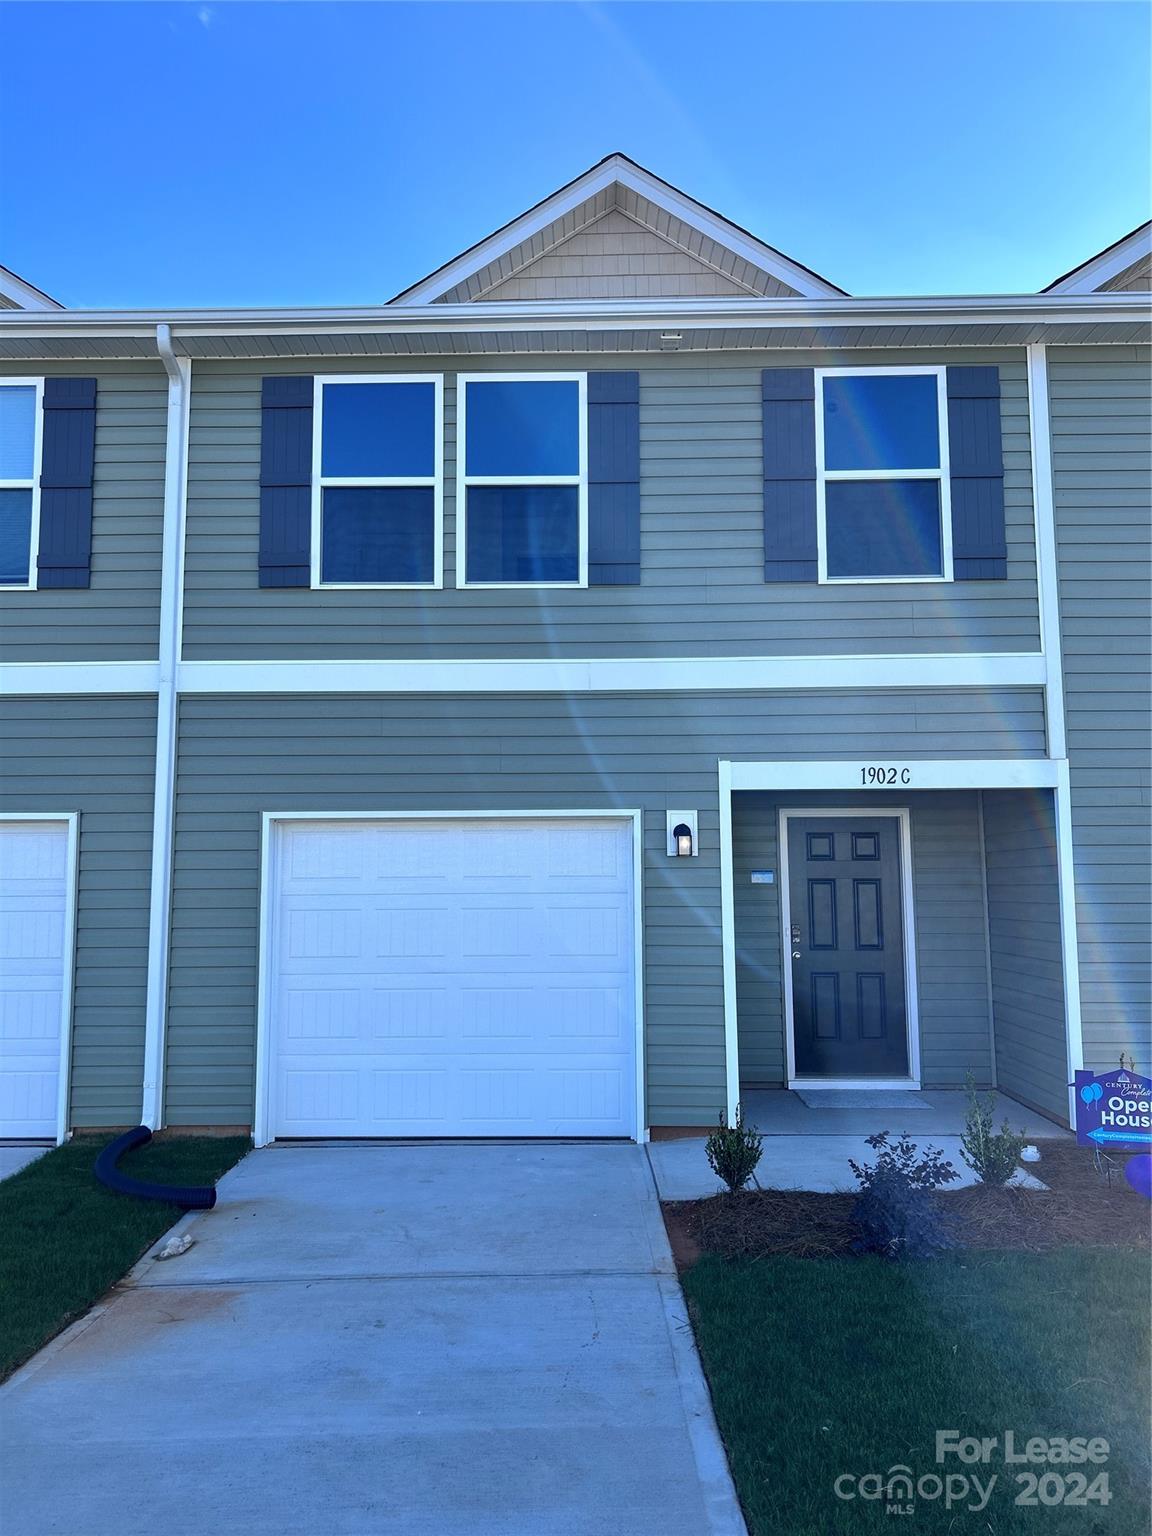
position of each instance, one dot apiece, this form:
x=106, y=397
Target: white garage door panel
x=438, y=979
x=33, y=965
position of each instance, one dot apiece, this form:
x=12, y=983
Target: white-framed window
x=21, y=435
x=522, y=480
x=377, y=480
x=883, y=502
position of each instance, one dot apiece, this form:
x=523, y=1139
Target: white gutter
x=179, y=370
x=730, y=314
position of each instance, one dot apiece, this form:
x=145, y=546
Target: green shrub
x=733, y=1152
x=992, y=1155
x=896, y=1214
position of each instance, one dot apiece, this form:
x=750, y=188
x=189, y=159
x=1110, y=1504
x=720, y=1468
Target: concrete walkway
x=482, y=1340
x=820, y=1163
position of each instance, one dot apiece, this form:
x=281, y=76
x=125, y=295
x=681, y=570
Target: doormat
x=862, y=1098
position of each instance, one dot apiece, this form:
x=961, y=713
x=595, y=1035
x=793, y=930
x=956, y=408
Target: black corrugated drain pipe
x=190, y=1198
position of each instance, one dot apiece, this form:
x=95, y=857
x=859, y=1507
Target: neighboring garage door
x=452, y=978
x=34, y=964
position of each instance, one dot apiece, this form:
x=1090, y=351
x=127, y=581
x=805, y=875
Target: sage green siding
x=1101, y=435
x=1026, y=948
x=117, y=617
x=702, y=590
x=239, y=757
x=96, y=756
x=950, y=936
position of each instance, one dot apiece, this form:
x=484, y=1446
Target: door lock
x=795, y=933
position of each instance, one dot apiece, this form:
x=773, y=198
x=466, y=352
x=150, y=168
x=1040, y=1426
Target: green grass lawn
x=820, y=1367
x=64, y=1238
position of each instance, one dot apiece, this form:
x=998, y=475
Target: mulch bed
x=1080, y=1206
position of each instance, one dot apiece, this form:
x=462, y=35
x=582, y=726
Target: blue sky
x=233, y=153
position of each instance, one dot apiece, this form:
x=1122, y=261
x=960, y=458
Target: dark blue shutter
x=286, y=481
x=64, y=558
x=976, y=468
x=789, y=474
x=613, y=479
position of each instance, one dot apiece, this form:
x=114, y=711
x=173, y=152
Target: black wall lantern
x=683, y=842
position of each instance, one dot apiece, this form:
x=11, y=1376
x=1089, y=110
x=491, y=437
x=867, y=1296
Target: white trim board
x=903, y=818
x=27, y=679
x=269, y=821
x=1091, y=275
x=68, y=990
x=607, y=675
x=854, y=774
x=643, y=674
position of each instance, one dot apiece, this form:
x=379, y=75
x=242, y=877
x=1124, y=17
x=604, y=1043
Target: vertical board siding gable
x=789, y=401
x=976, y=468
x=286, y=480
x=68, y=452
x=614, y=479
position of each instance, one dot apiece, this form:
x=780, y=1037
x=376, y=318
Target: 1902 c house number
x=880, y=776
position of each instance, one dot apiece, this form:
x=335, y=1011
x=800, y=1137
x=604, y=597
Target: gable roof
x=1125, y=265
x=17, y=293
x=677, y=238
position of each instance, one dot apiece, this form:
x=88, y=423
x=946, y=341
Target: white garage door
x=452, y=978
x=33, y=970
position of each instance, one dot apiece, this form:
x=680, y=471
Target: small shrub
x=733, y=1152
x=992, y=1155
x=895, y=1212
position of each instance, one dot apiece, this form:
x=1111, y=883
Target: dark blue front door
x=847, y=947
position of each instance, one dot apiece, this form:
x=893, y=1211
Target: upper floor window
x=522, y=479
x=883, y=509
x=20, y=401
x=377, y=482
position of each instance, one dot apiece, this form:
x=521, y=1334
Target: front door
x=847, y=947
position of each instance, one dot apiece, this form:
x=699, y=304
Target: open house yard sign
x=1114, y=1110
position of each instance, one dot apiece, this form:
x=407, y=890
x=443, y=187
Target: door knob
x=795, y=954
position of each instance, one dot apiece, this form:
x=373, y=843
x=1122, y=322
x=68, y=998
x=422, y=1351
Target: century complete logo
x=1050, y=1471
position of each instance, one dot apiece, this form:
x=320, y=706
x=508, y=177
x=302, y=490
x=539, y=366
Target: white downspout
x=179, y=370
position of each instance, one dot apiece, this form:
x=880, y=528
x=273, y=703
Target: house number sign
x=881, y=775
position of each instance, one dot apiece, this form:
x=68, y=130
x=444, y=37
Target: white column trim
x=1070, y=945
x=728, y=944
x=167, y=698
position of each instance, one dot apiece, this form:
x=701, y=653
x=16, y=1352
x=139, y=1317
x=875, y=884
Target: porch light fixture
x=670, y=340
x=683, y=836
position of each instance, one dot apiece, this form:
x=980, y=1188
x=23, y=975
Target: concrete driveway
x=482, y=1340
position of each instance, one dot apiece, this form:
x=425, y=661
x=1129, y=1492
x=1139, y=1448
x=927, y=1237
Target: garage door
x=33, y=972
x=451, y=978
